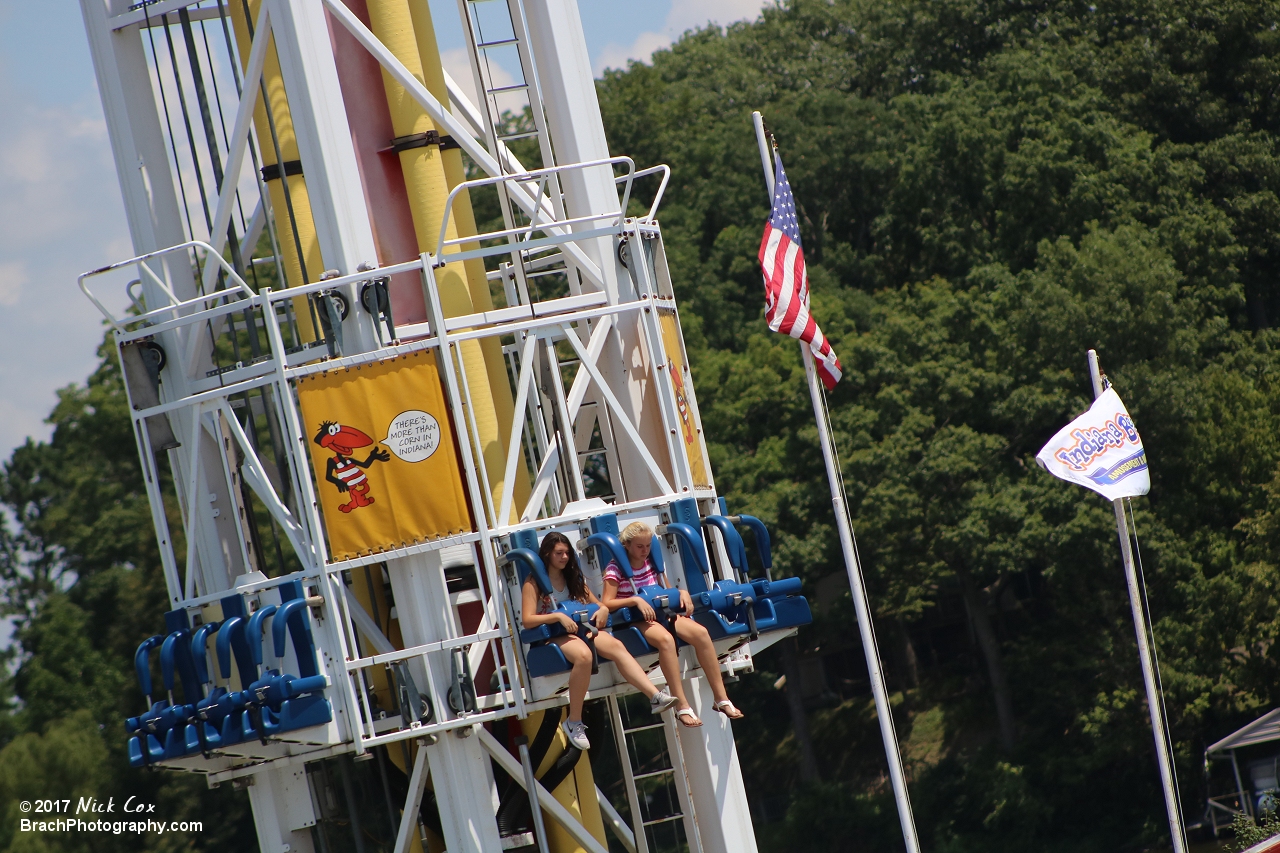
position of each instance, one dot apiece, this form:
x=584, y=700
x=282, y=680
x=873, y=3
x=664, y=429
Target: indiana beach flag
x=1100, y=450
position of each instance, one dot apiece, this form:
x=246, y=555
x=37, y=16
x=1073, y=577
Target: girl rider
x=538, y=609
x=620, y=591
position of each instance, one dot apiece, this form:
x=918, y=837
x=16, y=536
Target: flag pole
x=1155, y=700
x=884, y=712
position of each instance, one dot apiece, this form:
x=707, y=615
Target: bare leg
x=660, y=638
x=696, y=635
x=578, y=655
x=611, y=648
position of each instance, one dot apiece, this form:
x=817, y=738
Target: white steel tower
x=383, y=339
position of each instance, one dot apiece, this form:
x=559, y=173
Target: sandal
x=688, y=712
x=724, y=706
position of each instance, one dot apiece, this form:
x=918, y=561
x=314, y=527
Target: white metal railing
x=176, y=306
x=541, y=176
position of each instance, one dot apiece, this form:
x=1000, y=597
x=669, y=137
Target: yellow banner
x=682, y=384
x=384, y=455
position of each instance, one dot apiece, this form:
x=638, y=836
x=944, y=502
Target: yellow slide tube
x=405, y=28
x=577, y=792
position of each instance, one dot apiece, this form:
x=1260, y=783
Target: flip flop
x=688, y=712
x=724, y=706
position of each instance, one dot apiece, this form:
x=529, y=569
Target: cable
x=284, y=186
x=1131, y=522
x=173, y=145
x=215, y=162
x=186, y=120
x=264, y=198
x=275, y=144
x=233, y=63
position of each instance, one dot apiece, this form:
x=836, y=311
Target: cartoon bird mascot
x=343, y=469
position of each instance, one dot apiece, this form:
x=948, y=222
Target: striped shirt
x=647, y=576
x=348, y=471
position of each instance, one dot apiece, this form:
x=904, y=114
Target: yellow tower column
x=477, y=282
x=462, y=290
x=299, y=256
x=577, y=792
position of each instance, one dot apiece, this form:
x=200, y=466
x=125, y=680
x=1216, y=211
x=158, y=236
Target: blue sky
x=60, y=209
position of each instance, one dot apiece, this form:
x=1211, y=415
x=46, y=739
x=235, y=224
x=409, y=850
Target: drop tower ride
x=383, y=336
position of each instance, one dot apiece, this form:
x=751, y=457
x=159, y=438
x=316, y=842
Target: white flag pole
x=884, y=712
x=1155, y=701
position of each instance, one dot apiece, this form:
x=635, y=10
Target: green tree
x=82, y=578
x=987, y=190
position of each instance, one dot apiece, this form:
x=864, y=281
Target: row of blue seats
x=272, y=702
x=743, y=607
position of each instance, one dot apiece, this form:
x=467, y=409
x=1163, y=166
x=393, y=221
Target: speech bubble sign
x=413, y=435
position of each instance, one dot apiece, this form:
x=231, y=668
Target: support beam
x=364, y=622
x=621, y=413
x=577, y=134
x=343, y=224
x=282, y=810
x=445, y=121
x=549, y=803
x=417, y=784
x=468, y=801
x=614, y=821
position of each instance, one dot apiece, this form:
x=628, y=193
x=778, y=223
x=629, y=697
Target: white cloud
x=683, y=15
x=458, y=63
x=615, y=55
x=60, y=214
x=13, y=278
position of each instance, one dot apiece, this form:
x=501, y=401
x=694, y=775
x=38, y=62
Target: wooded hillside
x=987, y=190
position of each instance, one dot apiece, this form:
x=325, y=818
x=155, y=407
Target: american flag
x=786, y=283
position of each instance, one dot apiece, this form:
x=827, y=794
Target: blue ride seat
x=722, y=607
x=297, y=700
x=231, y=637
x=177, y=646
x=543, y=656
x=273, y=702
x=203, y=732
x=775, y=604
x=147, y=747
x=159, y=731
x=626, y=622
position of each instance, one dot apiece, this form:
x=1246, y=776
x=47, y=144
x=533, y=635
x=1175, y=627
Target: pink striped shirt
x=647, y=576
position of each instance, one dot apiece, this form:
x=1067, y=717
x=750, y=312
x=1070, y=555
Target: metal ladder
x=662, y=775
x=492, y=27
x=487, y=35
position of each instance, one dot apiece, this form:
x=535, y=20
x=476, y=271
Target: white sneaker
x=661, y=701
x=576, y=732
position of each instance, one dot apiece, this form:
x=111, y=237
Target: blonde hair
x=634, y=530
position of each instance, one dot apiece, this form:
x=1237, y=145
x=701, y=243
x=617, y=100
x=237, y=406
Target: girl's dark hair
x=572, y=572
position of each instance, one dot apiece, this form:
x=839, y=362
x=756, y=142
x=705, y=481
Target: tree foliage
x=987, y=189
x=83, y=581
